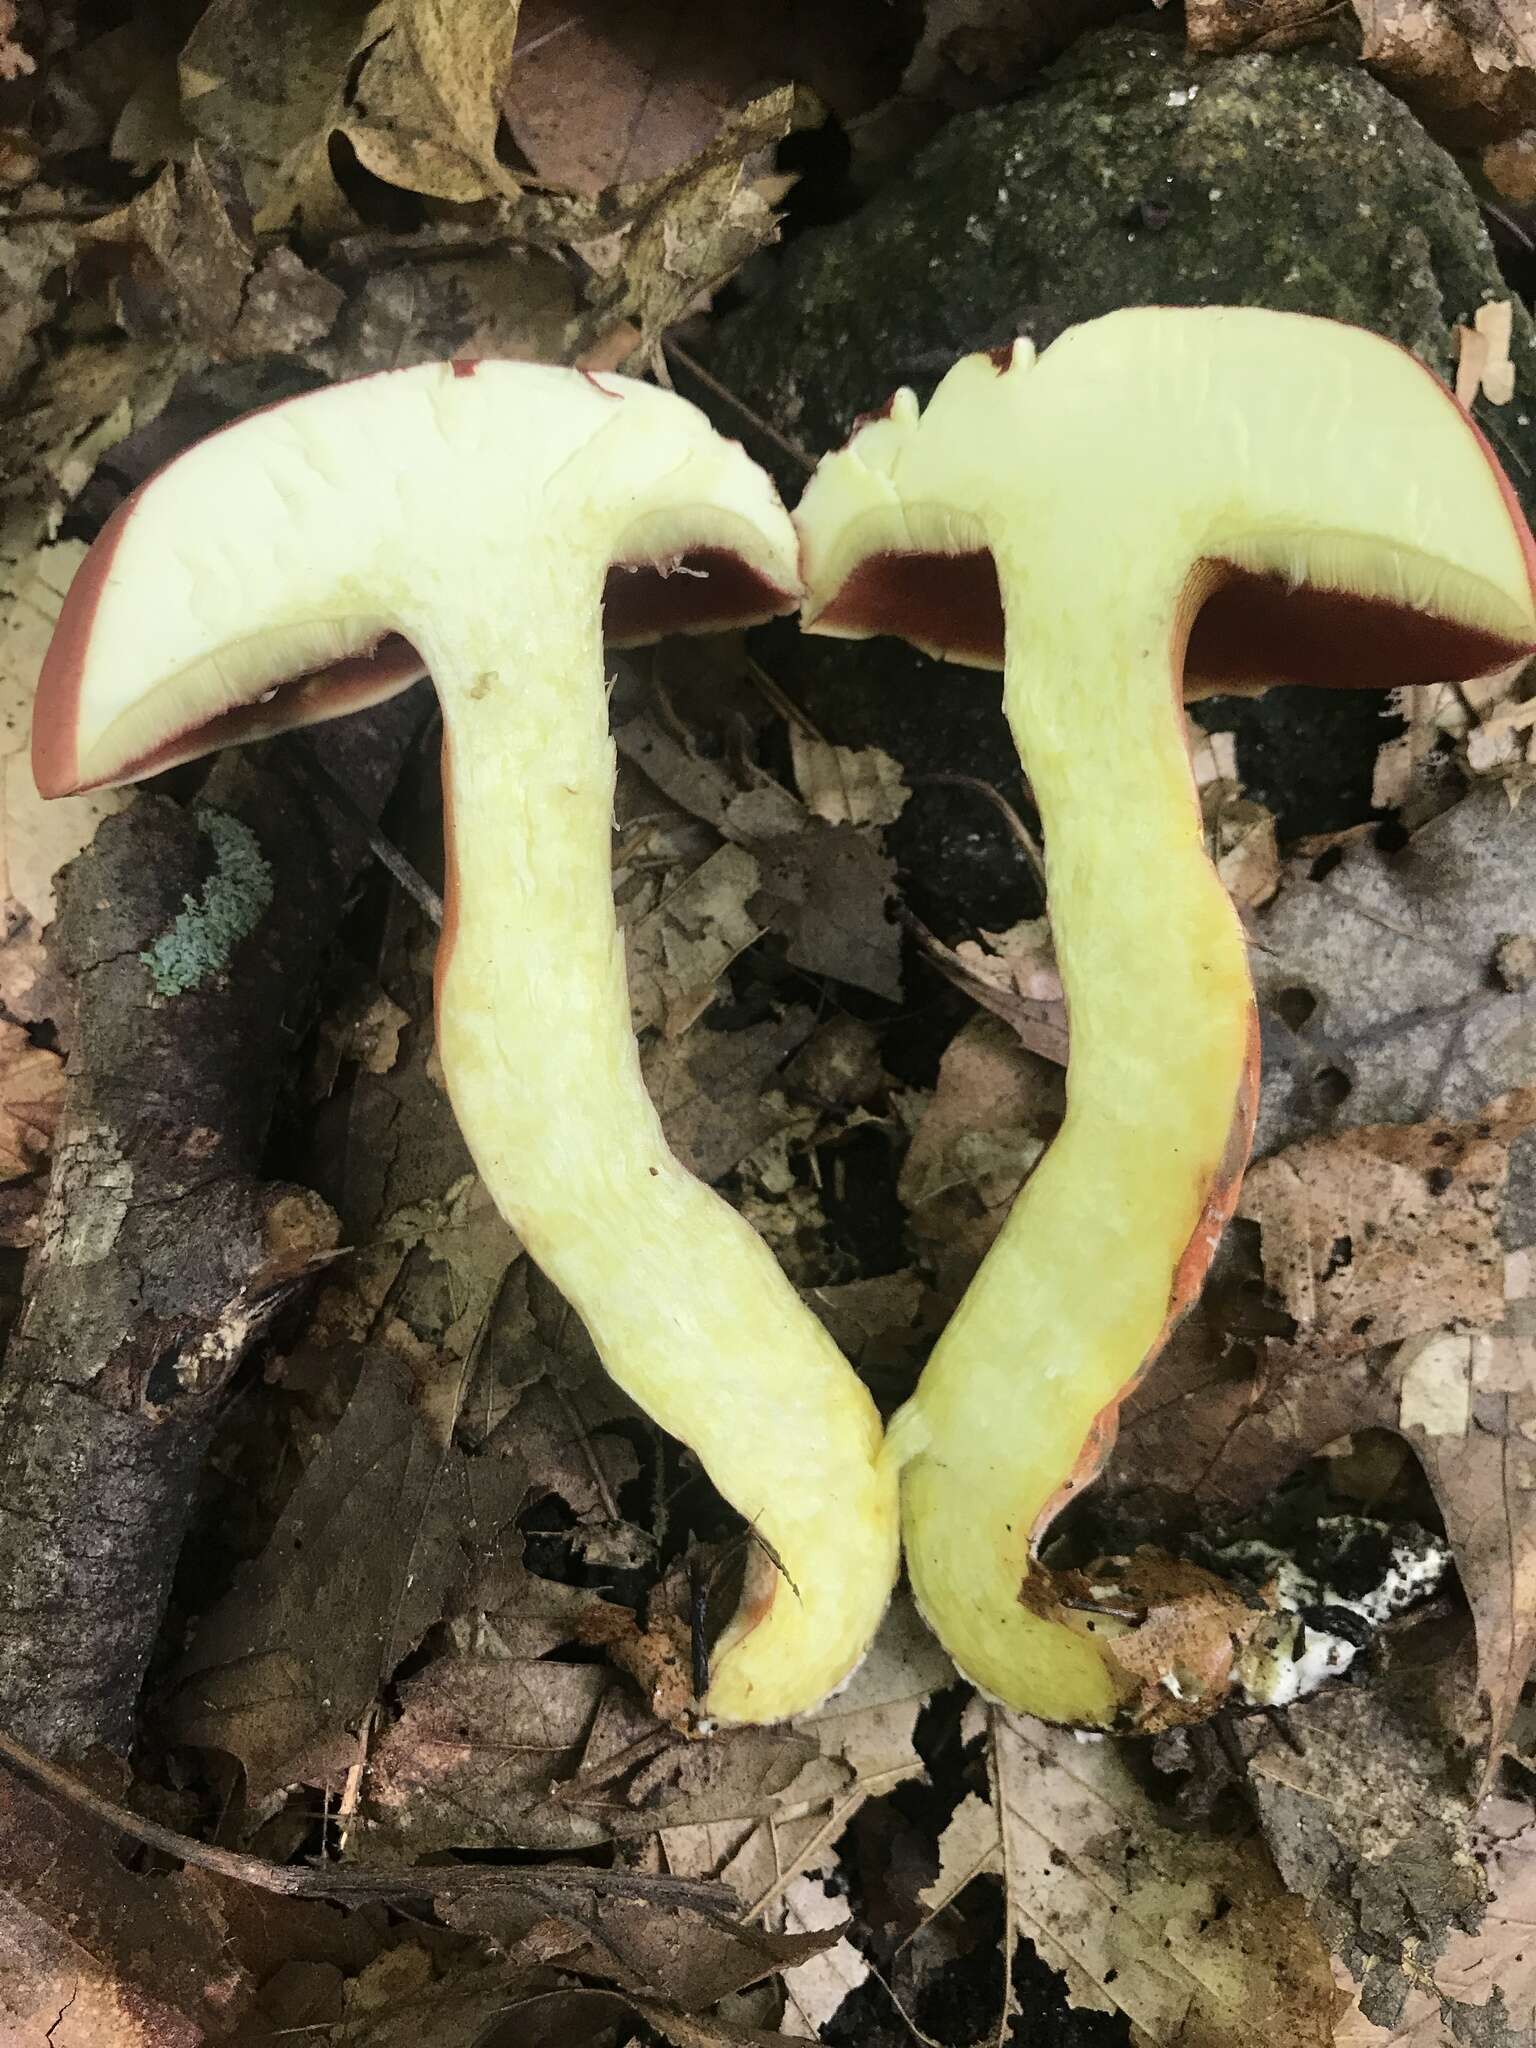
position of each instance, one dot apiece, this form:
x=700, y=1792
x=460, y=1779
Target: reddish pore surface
x=641, y=602
x=1252, y=628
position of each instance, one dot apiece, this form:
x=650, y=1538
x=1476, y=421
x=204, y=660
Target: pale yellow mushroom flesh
x=471, y=521
x=1164, y=500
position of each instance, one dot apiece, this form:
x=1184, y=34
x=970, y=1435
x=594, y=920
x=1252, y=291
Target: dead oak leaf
x=1191, y=1935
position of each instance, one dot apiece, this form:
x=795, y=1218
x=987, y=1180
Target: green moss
x=230, y=905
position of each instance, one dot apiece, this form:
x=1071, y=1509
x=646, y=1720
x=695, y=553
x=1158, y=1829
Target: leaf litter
x=449, y=1596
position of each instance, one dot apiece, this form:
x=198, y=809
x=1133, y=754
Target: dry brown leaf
x=1388, y=1231
x=1247, y=852
x=1467, y=72
x=814, y=1990
x=1219, y=28
x=677, y=953
x=186, y=254
x=1191, y=1935
x=1377, y=1241
x=28, y=258
x=381, y=1529
x=93, y=1955
x=611, y=93
x=847, y=785
x=412, y=88
x=36, y=838
x=994, y=1111
x=715, y=1090
x=31, y=1097
x=863, y=1739
x=661, y=248
x=478, y=1756
x=1039, y=1021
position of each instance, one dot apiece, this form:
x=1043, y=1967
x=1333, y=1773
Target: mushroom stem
x=686, y=1305
x=1078, y=1281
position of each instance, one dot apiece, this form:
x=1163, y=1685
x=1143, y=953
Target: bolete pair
x=1230, y=498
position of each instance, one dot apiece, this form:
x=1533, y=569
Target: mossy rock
x=1134, y=174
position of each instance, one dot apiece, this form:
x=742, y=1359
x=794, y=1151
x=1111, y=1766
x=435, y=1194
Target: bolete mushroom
x=484, y=522
x=1164, y=500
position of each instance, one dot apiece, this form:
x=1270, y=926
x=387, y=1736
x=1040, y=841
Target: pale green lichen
x=230, y=905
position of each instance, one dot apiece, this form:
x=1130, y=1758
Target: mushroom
x=1165, y=501
x=483, y=522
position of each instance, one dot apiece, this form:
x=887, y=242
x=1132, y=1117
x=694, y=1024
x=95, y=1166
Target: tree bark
x=191, y=936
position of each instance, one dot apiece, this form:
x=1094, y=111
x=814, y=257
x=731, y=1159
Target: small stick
x=1028, y=844
x=305, y=1881
x=723, y=391
x=313, y=771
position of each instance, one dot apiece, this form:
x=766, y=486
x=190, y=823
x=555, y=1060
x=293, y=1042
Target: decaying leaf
x=1013, y=976
x=411, y=89
x=1384, y=1245
x=1484, y=1978
x=477, y=1755
x=652, y=85
x=827, y=889
x=662, y=246
x=36, y=838
x=1370, y=1819
x=1191, y=1935
x=847, y=785
x=677, y=954
x=31, y=1096
x=92, y=1953
x=1375, y=970
x=994, y=1111
x=714, y=1090
x=376, y=1536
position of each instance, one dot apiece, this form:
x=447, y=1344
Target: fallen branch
x=333, y=1881
x=191, y=937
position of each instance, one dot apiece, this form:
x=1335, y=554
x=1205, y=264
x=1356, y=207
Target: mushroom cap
x=1330, y=512
x=280, y=572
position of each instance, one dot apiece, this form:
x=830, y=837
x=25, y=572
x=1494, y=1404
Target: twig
x=785, y=705
x=305, y=1881
x=723, y=392
x=1028, y=844
x=312, y=770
